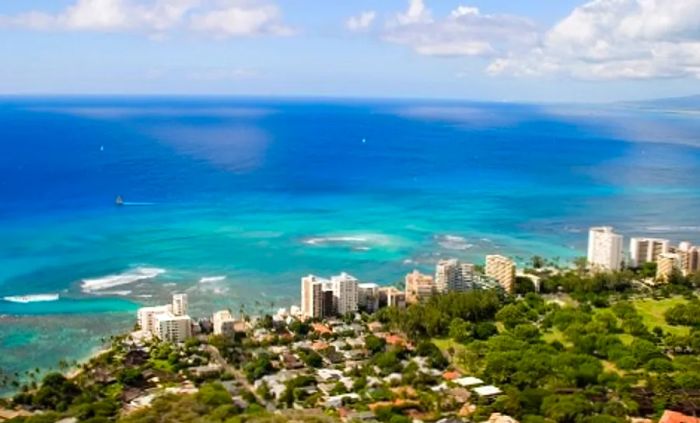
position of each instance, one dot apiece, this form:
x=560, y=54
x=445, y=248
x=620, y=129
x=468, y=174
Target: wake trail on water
x=137, y=203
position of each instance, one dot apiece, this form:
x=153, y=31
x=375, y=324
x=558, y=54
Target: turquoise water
x=232, y=200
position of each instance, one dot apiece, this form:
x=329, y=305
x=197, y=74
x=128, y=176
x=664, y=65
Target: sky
x=494, y=50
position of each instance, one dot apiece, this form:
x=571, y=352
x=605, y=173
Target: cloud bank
x=220, y=18
x=601, y=39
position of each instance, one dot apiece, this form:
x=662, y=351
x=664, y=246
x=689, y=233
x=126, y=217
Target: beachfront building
x=368, y=297
x=454, y=276
x=322, y=297
x=666, y=264
x=147, y=316
x=180, y=307
x=312, y=297
x=502, y=269
x=172, y=328
x=389, y=296
x=689, y=256
x=163, y=322
x=419, y=287
x=604, y=249
x=223, y=323
x=447, y=275
x=344, y=288
x=645, y=250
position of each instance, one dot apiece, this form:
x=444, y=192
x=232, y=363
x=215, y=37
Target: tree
x=565, y=408
x=213, y=395
x=460, y=330
x=374, y=344
x=512, y=315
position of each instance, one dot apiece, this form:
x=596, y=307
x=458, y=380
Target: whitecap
x=453, y=242
x=35, y=298
x=128, y=277
x=334, y=240
x=123, y=293
x=210, y=279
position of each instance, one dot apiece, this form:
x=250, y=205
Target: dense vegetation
x=587, y=355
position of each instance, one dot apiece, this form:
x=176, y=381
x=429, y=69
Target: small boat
x=119, y=201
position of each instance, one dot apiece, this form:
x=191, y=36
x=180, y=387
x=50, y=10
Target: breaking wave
x=453, y=242
x=131, y=276
x=211, y=279
x=36, y=298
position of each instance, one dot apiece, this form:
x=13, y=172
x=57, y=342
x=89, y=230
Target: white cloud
x=239, y=19
x=225, y=18
x=416, y=13
x=362, y=21
x=464, y=32
x=616, y=39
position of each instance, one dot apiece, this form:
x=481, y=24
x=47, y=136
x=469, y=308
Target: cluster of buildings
x=606, y=253
x=343, y=350
x=343, y=294
x=455, y=276
x=169, y=322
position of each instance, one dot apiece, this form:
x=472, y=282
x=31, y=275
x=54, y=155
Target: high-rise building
x=502, y=269
x=168, y=322
x=180, y=307
x=454, y=276
x=223, y=322
x=604, y=249
x=643, y=250
x=172, y=328
x=689, y=258
x=368, y=297
x=147, y=316
x=344, y=293
x=666, y=264
x=419, y=287
x=447, y=275
x=312, y=297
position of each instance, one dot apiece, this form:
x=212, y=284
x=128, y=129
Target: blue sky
x=534, y=50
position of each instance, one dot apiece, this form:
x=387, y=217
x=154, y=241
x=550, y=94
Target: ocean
x=232, y=200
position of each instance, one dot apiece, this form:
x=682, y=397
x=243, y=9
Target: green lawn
x=556, y=335
x=444, y=344
x=652, y=312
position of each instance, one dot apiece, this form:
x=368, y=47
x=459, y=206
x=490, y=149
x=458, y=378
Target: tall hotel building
x=171, y=328
x=419, y=287
x=180, y=307
x=666, y=264
x=344, y=293
x=502, y=269
x=454, y=276
x=312, y=297
x=168, y=322
x=604, y=249
x=368, y=297
x=644, y=250
x=689, y=256
x=322, y=297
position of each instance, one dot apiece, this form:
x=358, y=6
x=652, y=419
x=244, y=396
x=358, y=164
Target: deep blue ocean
x=233, y=200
